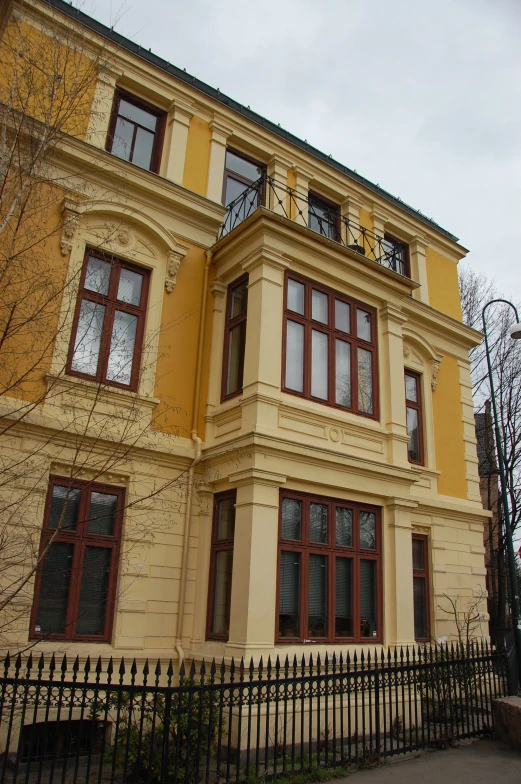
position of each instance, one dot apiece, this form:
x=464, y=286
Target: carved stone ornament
x=173, y=262
x=71, y=221
x=406, y=351
x=435, y=371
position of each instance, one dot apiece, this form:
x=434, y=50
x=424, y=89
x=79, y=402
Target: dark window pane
x=322, y=218
x=414, y=434
x=342, y=316
x=318, y=523
x=226, y=518
x=418, y=554
x=97, y=277
x=420, y=609
x=129, y=287
x=222, y=592
x=94, y=590
x=143, y=146
x=235, y=163
x=319, y=363
x=289, y=603
x=102, y=514
x=54, y=589
x=344, y=527
x=319, y=306
x=88, y=338
x=239, y=299
x=245, y=206
x=137, y=115
x=296, y=296
x=65, y=504
x=411, y=390
x=291, y=519
x=122, y=345
x=342, y=373
x=365, y=381
x=317, y=598
x=343, y=598
x=122, y=142
x=367, y=530
x=363, y=325
x=295, y=356
x=367, y=598
x=394, y=255
x=236, y=346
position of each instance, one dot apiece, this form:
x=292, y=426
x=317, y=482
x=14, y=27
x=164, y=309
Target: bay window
x=235, y=338
x=330, y=348
x=329, y=570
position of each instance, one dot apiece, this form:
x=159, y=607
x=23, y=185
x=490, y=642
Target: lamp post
x=515, y=334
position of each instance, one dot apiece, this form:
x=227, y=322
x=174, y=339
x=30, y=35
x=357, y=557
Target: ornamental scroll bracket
x=173, y=262
x=435, y=364
x=71, y=221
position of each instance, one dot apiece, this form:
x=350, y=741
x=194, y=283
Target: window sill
x=105, y=393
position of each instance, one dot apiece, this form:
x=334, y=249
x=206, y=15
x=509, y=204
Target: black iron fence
x=324, y=220
x=62, y=723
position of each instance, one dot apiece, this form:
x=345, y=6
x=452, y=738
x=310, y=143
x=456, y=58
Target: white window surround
x=134, y=237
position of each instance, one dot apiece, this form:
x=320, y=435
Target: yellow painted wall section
x=64, y=103
x=177, y=358
x=448, y=431
x=442, y=277
x=33, y=285
x=197, y=160
x=366, y=220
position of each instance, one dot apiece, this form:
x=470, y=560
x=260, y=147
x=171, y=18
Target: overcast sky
x=420, y=96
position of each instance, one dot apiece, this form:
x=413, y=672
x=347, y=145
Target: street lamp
x=515, y=334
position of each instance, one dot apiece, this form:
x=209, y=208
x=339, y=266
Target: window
x=221, y=564
x=420, y=587
x=240, y=174
x=235, y=338
x=329, y=570
x=329, y=350
x=108, y=328
x=76, y=583
x=413, y=407
x=323, y=217
x=136, y=132
x=396, y=255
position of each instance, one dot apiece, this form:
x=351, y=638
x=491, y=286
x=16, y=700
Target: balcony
x=319, y=216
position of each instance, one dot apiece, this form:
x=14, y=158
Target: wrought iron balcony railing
x=319, y=217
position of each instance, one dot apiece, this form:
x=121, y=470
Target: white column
x=218, y=290
x=392, y=398
x=399, y=601
x=101, y=109
x=220, y=136
x=173, y=163
x=276, y=191
x=254, y=577
x=299, y=207
x=417, y=248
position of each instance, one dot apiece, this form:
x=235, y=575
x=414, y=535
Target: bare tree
x=476, y=290
x=47, y=88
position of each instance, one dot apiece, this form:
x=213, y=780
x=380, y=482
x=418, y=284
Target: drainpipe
x=198, y=444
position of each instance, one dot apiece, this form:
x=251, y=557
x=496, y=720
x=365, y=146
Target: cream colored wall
x=266, y=440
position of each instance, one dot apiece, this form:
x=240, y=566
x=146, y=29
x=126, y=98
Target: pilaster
x=218, y=289
x=417, y=248
x=276, y=197
x=350, y=209
x=399, y=597
x=380, y=218
x=178, y=125
x=393, y=403
x=101, y=109
x=300, y=207
x=254, y=577
x=220, y=135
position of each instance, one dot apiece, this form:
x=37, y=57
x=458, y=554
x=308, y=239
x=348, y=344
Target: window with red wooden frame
x=329, y=575
x=234, y=338
x=136, y=131
x=109, y=323
x=420, y=567
x=221, y=565
x=396, y=255
x=76, y=582
x=324, y=217
x=329, y=347
x=414, y=412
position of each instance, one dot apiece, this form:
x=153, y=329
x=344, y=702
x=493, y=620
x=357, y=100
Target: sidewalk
x=481, y=762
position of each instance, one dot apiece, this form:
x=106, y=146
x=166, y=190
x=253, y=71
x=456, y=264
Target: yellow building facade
x=288, y=413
